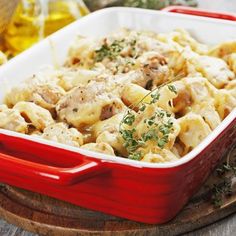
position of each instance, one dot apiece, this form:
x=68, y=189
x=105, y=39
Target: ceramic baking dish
x=145, y=192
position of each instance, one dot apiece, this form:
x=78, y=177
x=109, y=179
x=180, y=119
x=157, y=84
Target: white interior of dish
x=53, y=51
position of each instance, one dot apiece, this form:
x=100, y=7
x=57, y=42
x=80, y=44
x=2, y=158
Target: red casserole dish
x=144, y=192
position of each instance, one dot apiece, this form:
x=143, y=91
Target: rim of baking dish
x=117, y=159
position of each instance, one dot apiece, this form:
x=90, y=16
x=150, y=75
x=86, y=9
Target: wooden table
x=225, y=227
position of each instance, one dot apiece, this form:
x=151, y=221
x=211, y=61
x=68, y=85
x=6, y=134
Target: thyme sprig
x=159, y=125
x=223, y=189
x=219, y=191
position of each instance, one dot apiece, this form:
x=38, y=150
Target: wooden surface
x=225, y=227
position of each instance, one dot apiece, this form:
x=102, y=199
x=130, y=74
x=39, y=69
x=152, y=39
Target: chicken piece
x=193, y=129
x=99, y=147
x=154, y=67
x=117, y=84
x=45, y=95
x=11, y=119
x=86, y=105
x=60, y=133
x=35, y=115
x=134, y=77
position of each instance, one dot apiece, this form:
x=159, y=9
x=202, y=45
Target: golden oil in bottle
x=36, y=19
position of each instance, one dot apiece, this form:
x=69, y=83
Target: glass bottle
x=35, y=19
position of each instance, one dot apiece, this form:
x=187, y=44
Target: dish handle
x=12, y=166
x=200, y=12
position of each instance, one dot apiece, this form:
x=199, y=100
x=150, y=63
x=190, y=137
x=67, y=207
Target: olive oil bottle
x=35, y=19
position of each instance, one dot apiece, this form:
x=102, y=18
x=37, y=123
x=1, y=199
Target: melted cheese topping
x=83, y=103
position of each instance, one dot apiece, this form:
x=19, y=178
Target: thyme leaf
x=225, y=171
x=135, y=156
x=113, y=50
x=172, y=88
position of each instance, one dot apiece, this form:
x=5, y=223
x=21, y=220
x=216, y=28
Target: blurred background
x=25, y=22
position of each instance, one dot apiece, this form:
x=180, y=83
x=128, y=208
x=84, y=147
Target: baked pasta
x=145, y=96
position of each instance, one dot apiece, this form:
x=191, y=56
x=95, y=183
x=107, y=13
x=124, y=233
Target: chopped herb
x=150, y=134
x=168, y=114
x=135, y=156
x=142, y=108
x=110, y=51
x=162, y=141
x=164, y=130
x=150, y=122
x=161, y=114
x=101, y=53
x=129, y=118
x=130, y=143
x=113, y=50
x=155, y=97
x=172, y=88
